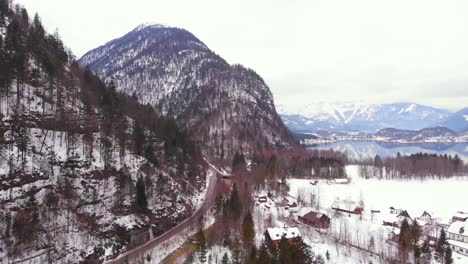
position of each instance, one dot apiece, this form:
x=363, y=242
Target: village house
x=396, y=220
x=425, y=217
x=262, y=199
x=458, y=237
x=460, y=217
x=287, y=203
x=396, y=211
x=347, y=207
x=342, y=181
x=315, y=219
x=404, y=215
x=292, y=204
x=275, y=234
x=283, y=203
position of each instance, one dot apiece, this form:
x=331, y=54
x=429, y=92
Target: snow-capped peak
x=150, y=25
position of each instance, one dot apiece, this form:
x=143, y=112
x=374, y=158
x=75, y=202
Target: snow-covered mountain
x=457, y=121
x=360, y=116
x=225, y=107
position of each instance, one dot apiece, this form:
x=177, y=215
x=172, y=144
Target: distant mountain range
x=415, y=135
x=370, y=117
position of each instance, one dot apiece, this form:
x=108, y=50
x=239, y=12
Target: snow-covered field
x=441, y=198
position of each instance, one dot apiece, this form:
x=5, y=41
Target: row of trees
x=297, y=162
x=419, y=165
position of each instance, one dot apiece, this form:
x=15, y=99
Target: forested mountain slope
x=84, y=170
x=227, y=108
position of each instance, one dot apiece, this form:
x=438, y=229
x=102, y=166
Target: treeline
x=298, y=162
x=419, y=165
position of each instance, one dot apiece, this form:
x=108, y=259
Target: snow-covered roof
x=458, y=243
x=459, y=228
x=276, y=233
x=425, y=213
x=346, y=180
x=405, y=214
x=461, y=215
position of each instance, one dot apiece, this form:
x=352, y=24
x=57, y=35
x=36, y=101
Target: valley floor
x=348, y=238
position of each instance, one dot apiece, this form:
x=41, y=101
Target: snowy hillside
x=172, y=70
x=360, y=116
x=85, y=172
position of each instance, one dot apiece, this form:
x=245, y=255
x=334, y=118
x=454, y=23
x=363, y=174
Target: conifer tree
x=138, y=137
x=441, y=247
x=203, y=248
x=248, y=230
x=448, y=259
x=141, y=201
x=225, y=259
x=235, y=203
x=34, y=213
x=252, y=258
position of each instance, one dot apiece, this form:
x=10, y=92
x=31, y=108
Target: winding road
x=136, y=254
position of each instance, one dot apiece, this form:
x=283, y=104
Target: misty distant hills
x=457, y=121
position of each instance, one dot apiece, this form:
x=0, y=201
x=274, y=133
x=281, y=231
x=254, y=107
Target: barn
x=315, y=219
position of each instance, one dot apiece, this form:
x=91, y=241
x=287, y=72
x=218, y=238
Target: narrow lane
x=139, y=252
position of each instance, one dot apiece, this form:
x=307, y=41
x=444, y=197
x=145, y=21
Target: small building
x=262, y=199
x=315, y=219
x=347, y=207
x=390, y=220
x=404, y=215
x=342, y=181
x=396, y=211
x=285, y=203
x=275, y=234
x=460, y=217
x=426, y=217
x=458, y=237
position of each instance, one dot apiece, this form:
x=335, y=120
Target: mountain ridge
x=226, y=107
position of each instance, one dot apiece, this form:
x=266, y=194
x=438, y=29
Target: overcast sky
x=367, y=50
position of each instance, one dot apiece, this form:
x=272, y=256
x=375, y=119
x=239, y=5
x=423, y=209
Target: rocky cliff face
x=224, y=107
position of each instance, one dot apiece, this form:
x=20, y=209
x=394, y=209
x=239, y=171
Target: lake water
x=368, y=149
